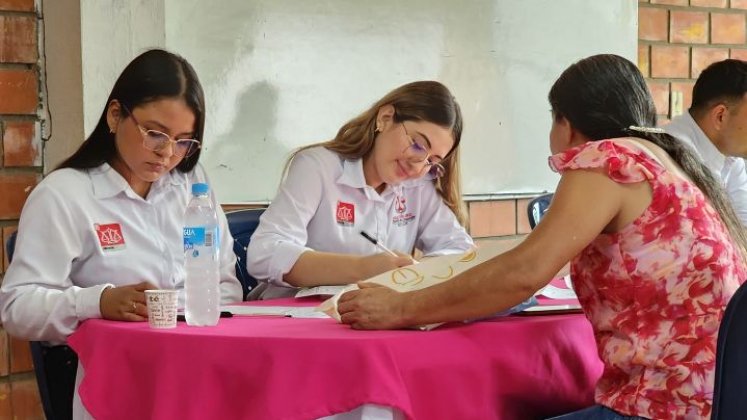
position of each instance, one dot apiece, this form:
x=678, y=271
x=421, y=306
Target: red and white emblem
x=400, y=204
x=110, y=236
x=402, y=217
x=345, y=213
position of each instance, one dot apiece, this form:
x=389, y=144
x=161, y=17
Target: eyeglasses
x=156, y=141
x=420, y=152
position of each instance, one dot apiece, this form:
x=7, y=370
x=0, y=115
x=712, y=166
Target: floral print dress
x=655, y=291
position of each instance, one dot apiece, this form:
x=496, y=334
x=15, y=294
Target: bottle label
x=196, y=237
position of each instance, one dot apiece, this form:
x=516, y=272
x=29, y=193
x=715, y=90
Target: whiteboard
x=279, y=74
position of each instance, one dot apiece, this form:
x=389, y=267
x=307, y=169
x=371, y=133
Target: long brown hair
x=427, y=101
x=603, y=95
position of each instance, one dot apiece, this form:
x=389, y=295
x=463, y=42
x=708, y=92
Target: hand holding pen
x=378, y=244
x=382, y=262
x=385, y=249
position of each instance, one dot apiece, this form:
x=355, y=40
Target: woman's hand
x=371, y=265
x=125, y=303
x=372, y=307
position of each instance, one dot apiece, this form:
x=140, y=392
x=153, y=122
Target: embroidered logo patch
x=400, y=204
x=345, y=213
x=402, y=217
x=110, y=236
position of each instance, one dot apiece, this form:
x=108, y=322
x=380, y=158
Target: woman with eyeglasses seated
x=391, y=172
x=656, y=251
x=107, y=223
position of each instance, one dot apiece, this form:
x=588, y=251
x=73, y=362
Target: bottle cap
x=200, y=188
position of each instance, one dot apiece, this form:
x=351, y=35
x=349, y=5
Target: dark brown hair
x=151, y=76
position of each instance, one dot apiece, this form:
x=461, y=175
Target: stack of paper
x=559, y=297
x=559, y=288
x=319, y=291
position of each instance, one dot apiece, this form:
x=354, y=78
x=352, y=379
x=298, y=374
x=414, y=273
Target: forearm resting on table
x=324, y=269
x=488, y=288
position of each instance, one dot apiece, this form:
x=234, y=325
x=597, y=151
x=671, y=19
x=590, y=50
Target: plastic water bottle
x=202, y=259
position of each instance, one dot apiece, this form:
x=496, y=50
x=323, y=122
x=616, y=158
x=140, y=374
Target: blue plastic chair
x=39, y=357
x=537, y=208
x=730, y=388
x=242, y=224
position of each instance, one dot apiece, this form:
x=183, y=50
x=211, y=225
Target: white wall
x=113, y=32
x=279, y=74
x=283, y=73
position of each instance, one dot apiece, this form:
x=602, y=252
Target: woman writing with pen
x=391, y=173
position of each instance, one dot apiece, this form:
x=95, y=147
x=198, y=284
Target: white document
x=554, y=292
x=553, y=308
x=288, y=311
x=319, y=291
x=557, y=293
x=306, y=312
x=429, y=272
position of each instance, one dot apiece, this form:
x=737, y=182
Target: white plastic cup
x=161, y=308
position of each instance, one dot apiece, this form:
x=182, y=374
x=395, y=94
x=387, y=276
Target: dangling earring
x=111, y=130
x=377, y=130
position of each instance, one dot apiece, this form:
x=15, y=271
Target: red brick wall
x=20, y=170
x=677, y=39
x=498, y=218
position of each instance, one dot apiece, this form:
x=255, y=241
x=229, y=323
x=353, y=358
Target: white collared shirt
x=323, y=205
x=81, y=231
x=730, y=170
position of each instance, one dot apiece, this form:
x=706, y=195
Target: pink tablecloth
x=518, y=367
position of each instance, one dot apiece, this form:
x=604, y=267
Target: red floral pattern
x=655, y=292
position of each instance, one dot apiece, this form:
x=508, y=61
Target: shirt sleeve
x=619, y=161
x=282, y=234
x=38, y=300
x=736, y=188
x=439, y=232
x=230, y=287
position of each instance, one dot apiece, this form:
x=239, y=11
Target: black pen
x=378, y=244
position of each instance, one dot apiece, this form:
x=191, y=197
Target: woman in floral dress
x=656, y=251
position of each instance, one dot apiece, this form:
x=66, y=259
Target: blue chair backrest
x=730, y=390
x=10, y=246
x=537, y=208
x=242, y=224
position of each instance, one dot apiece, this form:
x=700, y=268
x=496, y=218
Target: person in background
x=716, y=127
x=391, y=172
x=656, y=251
x=107, y=223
